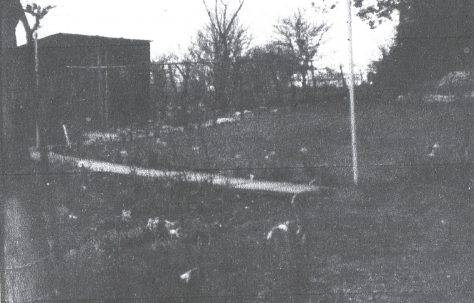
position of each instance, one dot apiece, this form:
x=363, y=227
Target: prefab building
x=94, y=82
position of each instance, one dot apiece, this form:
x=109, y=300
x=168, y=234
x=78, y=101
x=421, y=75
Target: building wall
x=77, y=95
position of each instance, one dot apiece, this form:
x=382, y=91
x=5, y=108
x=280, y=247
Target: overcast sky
x=171, y=24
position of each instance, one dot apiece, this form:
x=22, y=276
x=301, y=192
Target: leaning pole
x=355, y=169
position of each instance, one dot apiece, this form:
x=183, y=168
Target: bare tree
x=221, y=43
x=38, y=13
x=302, y=39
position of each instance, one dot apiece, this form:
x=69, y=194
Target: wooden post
x=66, y=136
x=40, y=114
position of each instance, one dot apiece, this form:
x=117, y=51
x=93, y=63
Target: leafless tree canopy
x=301, y=38
x=221, y=42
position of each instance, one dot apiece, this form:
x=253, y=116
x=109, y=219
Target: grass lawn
x=393, y=239
x=307, y=144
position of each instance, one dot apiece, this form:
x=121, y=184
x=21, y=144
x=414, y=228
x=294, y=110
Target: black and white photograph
x=247, y=151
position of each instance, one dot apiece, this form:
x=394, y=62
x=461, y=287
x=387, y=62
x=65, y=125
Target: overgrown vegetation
x=404, y=234
x=132, y=239
x=432, y=39
x=222, y=72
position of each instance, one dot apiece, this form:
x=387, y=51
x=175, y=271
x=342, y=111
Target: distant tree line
x=221, y=72
x=433, y=37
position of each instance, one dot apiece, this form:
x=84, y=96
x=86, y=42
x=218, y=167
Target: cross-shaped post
x=101, y=67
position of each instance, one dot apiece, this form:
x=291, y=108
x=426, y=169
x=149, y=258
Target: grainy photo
x=257, y=151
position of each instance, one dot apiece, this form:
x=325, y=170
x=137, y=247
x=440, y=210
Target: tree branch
x=235, y=15
x=213, y=24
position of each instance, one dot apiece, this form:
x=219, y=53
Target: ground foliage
x=403, y=235
x=390, y=243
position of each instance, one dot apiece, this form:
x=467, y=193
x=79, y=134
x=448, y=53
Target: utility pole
x=355, y=169
x=37, y=128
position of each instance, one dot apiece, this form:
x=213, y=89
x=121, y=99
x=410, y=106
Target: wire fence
x=181, y=93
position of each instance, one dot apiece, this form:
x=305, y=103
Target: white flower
x=304, y=150
x=225, y=120
x=171, y=228
x=196, y=148
x=270, y=155
x=174, y=232
x=72, y=216
x=186, y=277
x=126, y=215
x=434, y=150
x=161, y=143
x=282, y=227
x=208, y=124
x=152, y=223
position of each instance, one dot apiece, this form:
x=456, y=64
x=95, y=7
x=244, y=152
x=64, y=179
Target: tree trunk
x=9, y=17
x=303, y=73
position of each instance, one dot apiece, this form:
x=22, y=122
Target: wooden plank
x=185, y=176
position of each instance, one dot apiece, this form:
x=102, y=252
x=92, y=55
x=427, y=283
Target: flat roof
x=77, y=40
